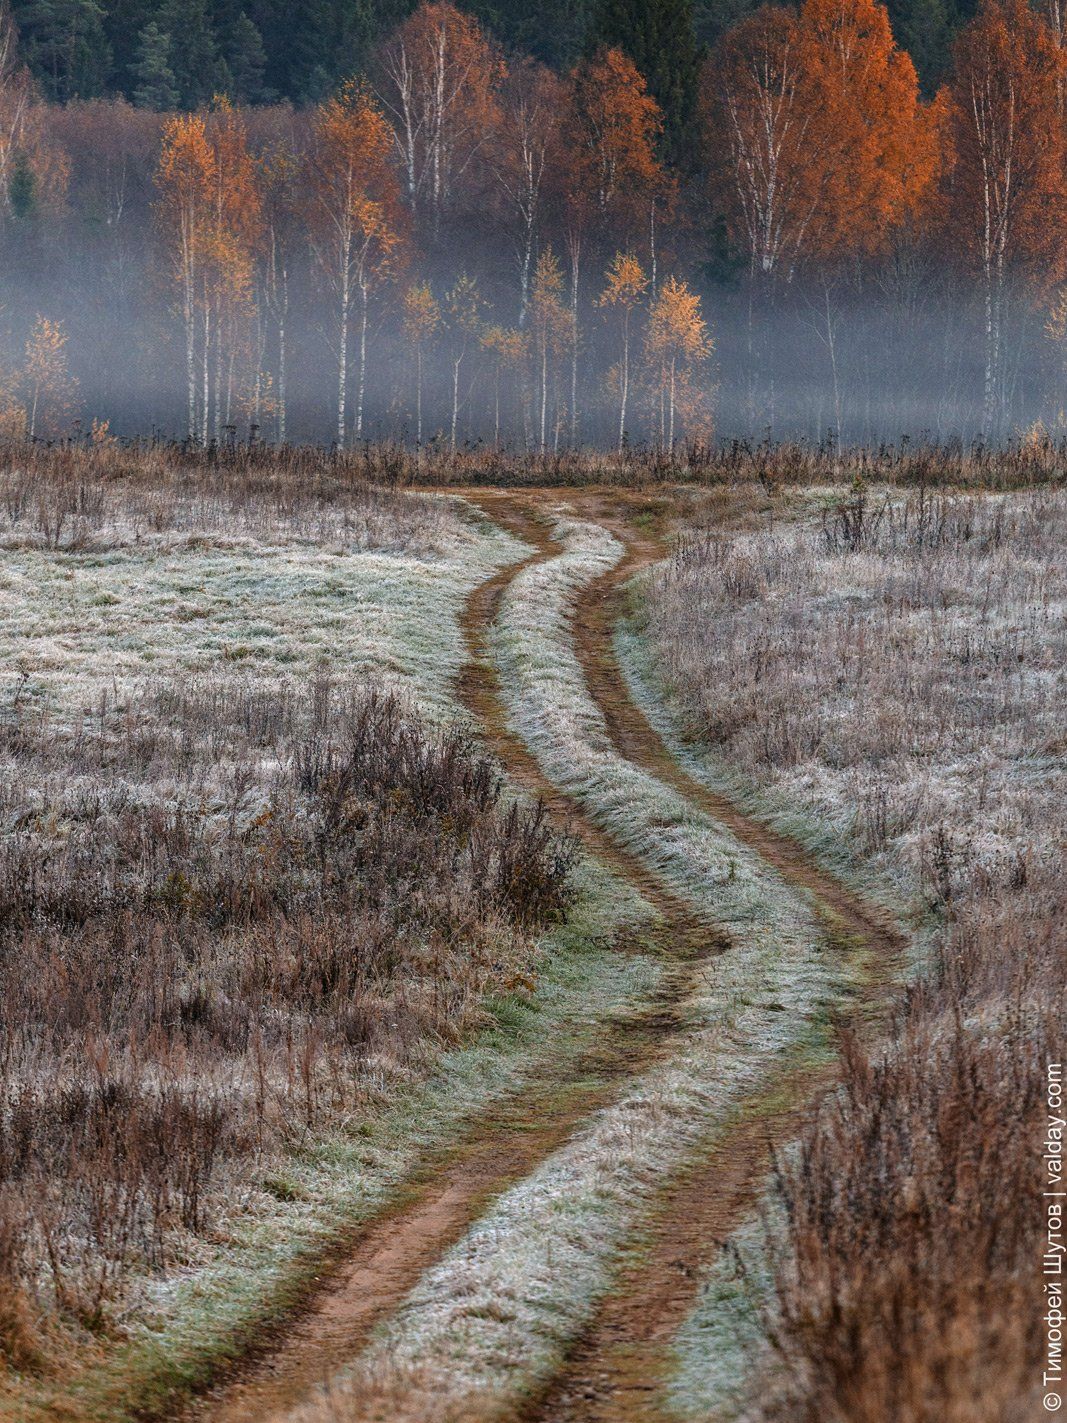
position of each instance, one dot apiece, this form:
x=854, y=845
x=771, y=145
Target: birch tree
x=439, y=78
x=1008, y=196
x=355, y=222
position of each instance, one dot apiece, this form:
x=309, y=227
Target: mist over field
x=895, y=378
x=458, y=241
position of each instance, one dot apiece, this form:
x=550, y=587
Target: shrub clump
x=227, y=913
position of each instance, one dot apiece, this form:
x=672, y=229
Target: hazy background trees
x=617, y=222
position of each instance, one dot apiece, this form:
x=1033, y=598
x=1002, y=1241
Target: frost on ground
x=258, y=594
x=248, y=891
x=496, y=1315
x=898, y=669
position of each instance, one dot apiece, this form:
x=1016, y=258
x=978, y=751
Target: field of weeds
x=249, y=873
x=893, y=668
x=240, y=476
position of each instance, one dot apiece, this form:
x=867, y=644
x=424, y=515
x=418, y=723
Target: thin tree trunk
x=217, y=418
x=281, y=379
x=342, y=361
x=625, y=377
x=832, y=347
x=205, y=413
x=362, y=361
x=455, y=402
x=418, y=397
x=190, y=356
x=544, y=388
x=652, y=245
x=574, y=352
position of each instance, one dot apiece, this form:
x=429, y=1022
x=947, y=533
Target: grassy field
x=282, y=938
x=886, y=677
x=253, y=874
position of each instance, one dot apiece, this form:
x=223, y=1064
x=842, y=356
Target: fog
x=879, y=353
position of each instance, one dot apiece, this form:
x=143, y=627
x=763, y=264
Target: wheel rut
x=617, y=1372
x=367, y=1274
x=617, y=1369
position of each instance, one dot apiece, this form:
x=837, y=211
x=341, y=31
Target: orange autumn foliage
x=356, y=218
x=614, y=125
x=440, y=82
x=825, y=145
x=878, y=145
x=1008, y=183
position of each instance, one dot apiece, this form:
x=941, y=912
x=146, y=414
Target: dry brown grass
x=227, y=913
x=308, y=475
x=897, y=667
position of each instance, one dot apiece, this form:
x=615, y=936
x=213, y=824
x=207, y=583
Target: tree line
x=478, y=243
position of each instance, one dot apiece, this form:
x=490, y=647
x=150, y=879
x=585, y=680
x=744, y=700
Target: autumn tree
x=422, y=320
x=677, y=342
x=34, y=172
x=613, y=176
x=874, y=146
x=506, y=347
x=439, y=81
x=1008, y=202
x=525, y=154
x=463, y=312
x=50, y=389
x=756, y=108
x=280, y=183
x=658, y=36
x=550, y=325
x=236, y=225
x=186, y=182
x=356, y=221
x=823, y=145
x=624, y=288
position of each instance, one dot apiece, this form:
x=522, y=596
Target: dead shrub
x=219, y=906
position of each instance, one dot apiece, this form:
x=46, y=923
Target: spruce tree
x=156, y=85
x=658, y=36
x=199, y=71
x=22, y=189
x=64, y=44
x=925, y=29
x=247, y=61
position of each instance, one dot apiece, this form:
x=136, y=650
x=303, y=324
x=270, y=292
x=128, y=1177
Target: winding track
x=370, y=1275
x=615, y=1370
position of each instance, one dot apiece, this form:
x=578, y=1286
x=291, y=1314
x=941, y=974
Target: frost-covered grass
x=496, y=1315
x=269, y=605
x=898, y=671
x=187, y=1324
x=894, y=673
x=722, y=1342
x=195, y=740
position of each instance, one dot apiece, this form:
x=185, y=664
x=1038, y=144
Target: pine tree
x=64, y=45
x=199, y=71
x=247, y=61
x=156, y=86
x=658, y=36
x=22, y=189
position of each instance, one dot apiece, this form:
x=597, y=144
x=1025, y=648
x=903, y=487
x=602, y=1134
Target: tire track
x=618, y=1370
x=615, y=1370
x=366, y=1276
